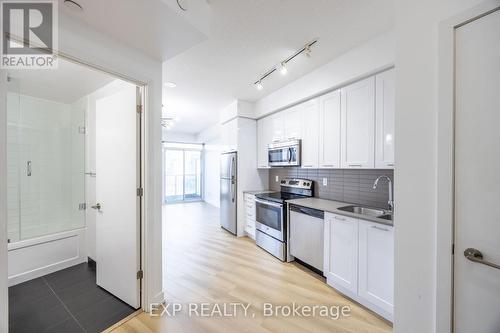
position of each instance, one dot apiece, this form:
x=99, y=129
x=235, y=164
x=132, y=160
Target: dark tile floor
x=65, y=301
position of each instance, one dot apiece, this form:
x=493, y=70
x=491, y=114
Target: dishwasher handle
x=308, y=211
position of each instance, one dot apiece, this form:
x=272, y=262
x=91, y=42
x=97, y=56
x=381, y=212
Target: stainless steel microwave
x=284, y=153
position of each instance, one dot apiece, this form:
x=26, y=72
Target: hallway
x=206, y=264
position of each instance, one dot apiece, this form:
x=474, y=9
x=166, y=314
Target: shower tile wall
x=46, y=133
x=346, y=185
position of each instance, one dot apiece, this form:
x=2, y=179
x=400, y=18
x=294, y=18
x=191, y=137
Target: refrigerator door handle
x=233, y=185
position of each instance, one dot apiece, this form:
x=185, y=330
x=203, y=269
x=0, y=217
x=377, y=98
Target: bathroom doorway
x=75, y=197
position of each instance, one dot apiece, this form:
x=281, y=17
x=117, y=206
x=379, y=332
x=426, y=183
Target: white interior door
x=117, y=222
x=477, y=176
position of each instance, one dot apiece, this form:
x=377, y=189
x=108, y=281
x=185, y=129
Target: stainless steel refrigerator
x=228, y=196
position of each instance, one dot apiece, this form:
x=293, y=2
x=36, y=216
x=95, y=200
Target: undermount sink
x=374, y=212
x=387, y=217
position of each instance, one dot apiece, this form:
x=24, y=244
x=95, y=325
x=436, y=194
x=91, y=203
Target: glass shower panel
x=46, y=152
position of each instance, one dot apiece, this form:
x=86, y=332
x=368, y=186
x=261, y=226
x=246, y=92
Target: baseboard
x=39, y=272
x=370, y=306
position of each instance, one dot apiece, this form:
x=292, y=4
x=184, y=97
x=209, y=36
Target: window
x=182, y=172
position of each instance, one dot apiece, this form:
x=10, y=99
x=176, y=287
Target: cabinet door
x=264, y=138
x=292, y=118
x=277, y=127
x=329, y=130
x=341, y=252
x=376, y=264
x=310, y=134
x=384, y=119
x=358, y=124
x=230, y=135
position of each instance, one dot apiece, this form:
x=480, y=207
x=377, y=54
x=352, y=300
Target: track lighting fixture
x=282, y=67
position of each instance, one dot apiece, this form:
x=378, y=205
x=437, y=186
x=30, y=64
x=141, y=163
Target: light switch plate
x=277, y=179
x=325, y=181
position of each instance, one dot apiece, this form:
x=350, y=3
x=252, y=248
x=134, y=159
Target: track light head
x=259, y=85
x=283, y=68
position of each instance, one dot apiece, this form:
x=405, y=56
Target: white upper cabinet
x=293, y=126
x=310, y=135
x=277, y=127
x=230, y=135
x=264, y=138
x=384, y=119
x=376, y=265
x=329, y=130
x=352, y=127
x=358, y=124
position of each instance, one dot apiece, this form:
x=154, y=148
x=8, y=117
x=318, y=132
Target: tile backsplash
x=346, y=185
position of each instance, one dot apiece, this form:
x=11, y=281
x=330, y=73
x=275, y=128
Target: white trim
x=445, y=162
x=4, y=301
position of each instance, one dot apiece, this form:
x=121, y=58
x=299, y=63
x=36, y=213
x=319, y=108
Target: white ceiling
x=247, y=38
x=66, y=84
x=158, y=28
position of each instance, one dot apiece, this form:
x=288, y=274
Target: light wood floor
x=203, y=263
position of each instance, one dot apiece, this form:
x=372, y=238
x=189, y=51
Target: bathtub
x=32, y=258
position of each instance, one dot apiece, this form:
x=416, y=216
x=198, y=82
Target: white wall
x=366, y=59
x=416, y=187
x=178, y=137
x=90, y=46
x=211, y=137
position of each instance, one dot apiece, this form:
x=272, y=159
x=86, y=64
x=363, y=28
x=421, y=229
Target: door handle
x=97, y=206
x=477, y=256
x=28, y=168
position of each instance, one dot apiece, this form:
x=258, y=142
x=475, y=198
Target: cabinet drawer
x=249, y=197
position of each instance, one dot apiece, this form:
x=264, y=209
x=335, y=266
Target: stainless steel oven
x=284, y=153
x=270, y=218
x=271, y=215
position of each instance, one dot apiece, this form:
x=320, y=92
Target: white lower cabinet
x=376, y=264
x=341, y=252
x=250, y=215
x=359, y=261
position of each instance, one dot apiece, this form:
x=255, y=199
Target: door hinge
x=139, y=108
x=140, y=274
x=452, y=249
x=82, y=129
x=140, y=192
x=82, y=206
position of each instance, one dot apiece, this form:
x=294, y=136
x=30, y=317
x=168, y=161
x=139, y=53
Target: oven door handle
x=269, y=203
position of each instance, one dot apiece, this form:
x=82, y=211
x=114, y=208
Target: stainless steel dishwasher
x=306, y=227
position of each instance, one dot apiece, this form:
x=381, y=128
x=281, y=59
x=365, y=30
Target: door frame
x=445, y=228
x=141, y=134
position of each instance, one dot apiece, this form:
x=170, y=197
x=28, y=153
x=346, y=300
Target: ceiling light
x=170, y=84
x=283, y=69
x=307, y=51
x=73, y=5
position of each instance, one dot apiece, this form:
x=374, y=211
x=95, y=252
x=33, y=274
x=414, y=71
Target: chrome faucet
x=389, y=182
